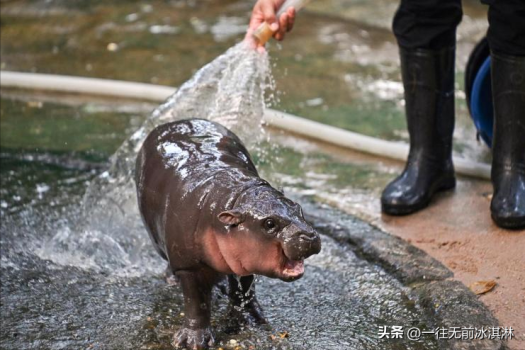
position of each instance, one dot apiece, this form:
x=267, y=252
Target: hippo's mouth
x=292, y=269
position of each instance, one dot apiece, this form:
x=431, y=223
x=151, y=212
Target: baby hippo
x=210, y=215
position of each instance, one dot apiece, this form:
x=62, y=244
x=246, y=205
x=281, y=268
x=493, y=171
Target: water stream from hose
x=231, y=91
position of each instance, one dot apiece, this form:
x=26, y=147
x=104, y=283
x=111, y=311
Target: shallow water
x=339, y=66
x=64, y=288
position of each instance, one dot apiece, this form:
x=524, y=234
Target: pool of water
x=344, y=44
x=73, y=279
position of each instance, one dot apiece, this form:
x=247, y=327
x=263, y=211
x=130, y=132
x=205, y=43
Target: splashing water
x=229, y=90
x=110, y=235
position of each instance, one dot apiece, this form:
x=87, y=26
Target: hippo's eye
x=269, y=224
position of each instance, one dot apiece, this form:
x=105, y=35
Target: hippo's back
x=187, y=169
x=197, y=145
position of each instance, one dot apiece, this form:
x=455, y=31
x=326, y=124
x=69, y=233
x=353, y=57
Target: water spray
x=263, y=33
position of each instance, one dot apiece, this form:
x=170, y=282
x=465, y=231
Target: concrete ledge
x=450, y=304
x=407, y=263
x=445, y=303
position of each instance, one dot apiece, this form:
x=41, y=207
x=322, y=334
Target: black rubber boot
x=428, y=79
x=508, y=151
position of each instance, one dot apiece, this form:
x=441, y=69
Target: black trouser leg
x=427, y=24
x=507, y=42
x=425, y=30
x=506, y=34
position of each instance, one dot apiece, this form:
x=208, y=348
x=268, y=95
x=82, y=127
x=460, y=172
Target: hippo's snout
x=301, y=244
x=311, y=241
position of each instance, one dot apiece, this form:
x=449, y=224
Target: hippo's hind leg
x=244, y=307
x=197, y=289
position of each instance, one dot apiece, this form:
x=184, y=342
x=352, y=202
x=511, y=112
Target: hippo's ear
x=231, y=217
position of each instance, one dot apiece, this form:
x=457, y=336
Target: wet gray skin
x=104, y=288
x=210, y=215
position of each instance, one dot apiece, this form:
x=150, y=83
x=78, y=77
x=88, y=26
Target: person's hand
x=265, y=11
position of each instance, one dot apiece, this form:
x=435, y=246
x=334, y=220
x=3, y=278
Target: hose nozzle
x=263, y=33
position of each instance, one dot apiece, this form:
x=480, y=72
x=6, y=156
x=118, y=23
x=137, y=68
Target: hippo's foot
x=255, y=313
x=244, y=307
x=195, y=339
x=239, y=317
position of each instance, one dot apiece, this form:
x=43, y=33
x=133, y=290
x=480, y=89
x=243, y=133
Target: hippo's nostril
x=307, y=237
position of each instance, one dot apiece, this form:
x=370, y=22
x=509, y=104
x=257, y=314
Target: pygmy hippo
x=210, y=215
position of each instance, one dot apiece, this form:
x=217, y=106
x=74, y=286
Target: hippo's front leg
x=242, y=298
x=196, y=332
